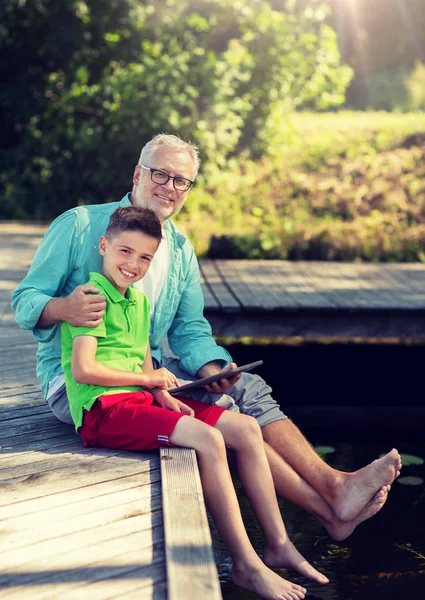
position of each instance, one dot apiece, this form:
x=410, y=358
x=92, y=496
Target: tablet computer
x=222, y=375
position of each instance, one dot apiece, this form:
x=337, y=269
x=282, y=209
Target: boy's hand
x=160, y=378
x=167, y=401
x=185, y=409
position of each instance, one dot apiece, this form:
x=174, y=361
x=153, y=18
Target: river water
x=384, y=558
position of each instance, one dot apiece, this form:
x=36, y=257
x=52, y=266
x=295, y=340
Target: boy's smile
x=126, y=257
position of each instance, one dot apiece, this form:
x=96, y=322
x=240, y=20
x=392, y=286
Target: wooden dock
x=79, y=523
x=281, y=298
x=314, y=299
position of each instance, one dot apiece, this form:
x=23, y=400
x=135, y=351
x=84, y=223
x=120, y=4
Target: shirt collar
x=126, y=201
x=113, y=294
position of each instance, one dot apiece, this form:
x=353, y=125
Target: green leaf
x=112, y=38
x=410, y=459
x=323, y=450
x=410, y=480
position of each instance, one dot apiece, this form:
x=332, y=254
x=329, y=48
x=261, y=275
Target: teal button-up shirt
x=66, y=256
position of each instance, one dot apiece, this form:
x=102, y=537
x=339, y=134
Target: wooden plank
x=219, y=287
x=302, y=286
x=142, y=592
x=29, y=446
x=59, y=480
x=33, y=427
x=191, y=570
x=210, y=300
x=8, y=413
x=24, y=423
x=92, y=556
x=240, y=283
x=87, y=499
x=354, y=286
x=77, y=516
x=130, y=570
x=270, y=279
x=409, y=280
x=18, y=441
x=10, y=392
x=253, y=285
x=32, y=559
x=19, y=465
x=51, y=502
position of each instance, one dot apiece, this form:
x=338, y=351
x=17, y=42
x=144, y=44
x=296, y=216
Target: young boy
x=107, y=370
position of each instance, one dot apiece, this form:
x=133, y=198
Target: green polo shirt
x=122, y=343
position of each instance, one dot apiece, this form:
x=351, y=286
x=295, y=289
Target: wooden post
x=191, y=570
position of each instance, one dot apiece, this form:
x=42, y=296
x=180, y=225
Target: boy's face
x=126, y=257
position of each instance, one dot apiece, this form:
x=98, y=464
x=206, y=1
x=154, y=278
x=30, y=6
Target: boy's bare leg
x=243, y=434
x=249, y=571
x=347, y=494
x=292, y=487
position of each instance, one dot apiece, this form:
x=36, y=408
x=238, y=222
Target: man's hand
x=222, y=385
x=160, y=378
x=84, y=307
x=167, y=401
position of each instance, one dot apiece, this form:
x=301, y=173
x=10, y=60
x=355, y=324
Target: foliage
x=410, y=480
x=415, y=85
x=400, y=89
x=324, y=451
x=386, y=90
x=380, y=40
x=410, y=459
x=346, y=186
x=87, y=83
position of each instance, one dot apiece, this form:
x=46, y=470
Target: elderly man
x=55, y=290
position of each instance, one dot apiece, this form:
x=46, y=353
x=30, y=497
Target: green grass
x=334, y=186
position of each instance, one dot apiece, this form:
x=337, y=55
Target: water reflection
x=382, y=560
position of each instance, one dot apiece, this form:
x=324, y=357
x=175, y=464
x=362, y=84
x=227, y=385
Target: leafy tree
x=88, y=82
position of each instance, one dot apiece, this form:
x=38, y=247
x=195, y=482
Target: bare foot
x=266, y=583
x=354, y=491
x=287, y=556
x=340, y=530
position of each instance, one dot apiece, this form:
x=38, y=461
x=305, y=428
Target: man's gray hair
x=170, y=141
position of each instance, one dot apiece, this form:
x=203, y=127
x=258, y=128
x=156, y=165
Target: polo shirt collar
x=111, y=291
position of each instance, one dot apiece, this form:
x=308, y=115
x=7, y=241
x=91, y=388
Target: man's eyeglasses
x=181, y=184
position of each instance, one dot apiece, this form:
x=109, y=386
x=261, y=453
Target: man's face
x=163, y=199
x=126, y=257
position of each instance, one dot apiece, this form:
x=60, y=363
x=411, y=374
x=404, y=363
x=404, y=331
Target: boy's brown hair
x=134, y=218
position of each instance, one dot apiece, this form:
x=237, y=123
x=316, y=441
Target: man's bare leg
x=293, y=487
x=347, y=494
x=249, y=571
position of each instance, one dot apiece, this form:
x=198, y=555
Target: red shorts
x=133, y=421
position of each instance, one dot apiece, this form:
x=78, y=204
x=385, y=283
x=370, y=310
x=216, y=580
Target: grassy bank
x=340, y=186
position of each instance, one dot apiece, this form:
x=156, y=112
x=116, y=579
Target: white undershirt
x=152, y=282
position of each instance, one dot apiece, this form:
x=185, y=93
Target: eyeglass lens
x=180, y=183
